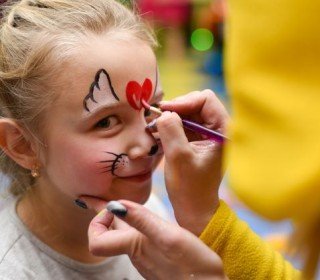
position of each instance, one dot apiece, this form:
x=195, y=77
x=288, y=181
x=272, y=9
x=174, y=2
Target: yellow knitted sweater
x=244, y=255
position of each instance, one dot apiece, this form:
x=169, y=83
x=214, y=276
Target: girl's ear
x=15, y=144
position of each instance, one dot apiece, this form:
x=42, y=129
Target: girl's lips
x=138, y=177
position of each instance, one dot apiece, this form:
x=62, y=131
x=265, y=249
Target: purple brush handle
x=211, y=134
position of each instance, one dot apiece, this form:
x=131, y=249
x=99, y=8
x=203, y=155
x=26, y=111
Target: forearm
x=244, y=254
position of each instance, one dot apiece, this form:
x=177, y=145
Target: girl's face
x=96, y=139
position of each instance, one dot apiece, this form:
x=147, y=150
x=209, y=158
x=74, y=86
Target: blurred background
x=190, y=57
x=190, y=35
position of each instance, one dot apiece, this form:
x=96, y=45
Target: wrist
x=195, y=220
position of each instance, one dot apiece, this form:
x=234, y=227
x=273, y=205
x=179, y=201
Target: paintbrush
x=195, y=127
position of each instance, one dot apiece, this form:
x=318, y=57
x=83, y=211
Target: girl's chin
x=132, y=190
x=138, y=195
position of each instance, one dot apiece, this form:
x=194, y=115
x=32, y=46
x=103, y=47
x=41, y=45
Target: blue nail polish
x=81, y=204
x=117, y=209
x=119, y=213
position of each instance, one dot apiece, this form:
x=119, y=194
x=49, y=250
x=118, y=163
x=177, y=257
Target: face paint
x=101, y=92
x=120, y=160
x=154, y=150
x=119, y=165
x=135, y=93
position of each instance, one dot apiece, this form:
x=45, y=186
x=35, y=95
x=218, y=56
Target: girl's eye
x=148, y=113
x=108, y=122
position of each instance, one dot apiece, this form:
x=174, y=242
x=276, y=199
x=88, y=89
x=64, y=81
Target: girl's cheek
x=92, y=179
x=90, y=172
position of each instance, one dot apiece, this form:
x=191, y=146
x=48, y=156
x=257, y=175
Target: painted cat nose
x=154, y=149
x=143, y=145
x=140, y=151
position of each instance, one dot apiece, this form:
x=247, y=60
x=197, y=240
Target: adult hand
x=193, y=170
x=158, y=249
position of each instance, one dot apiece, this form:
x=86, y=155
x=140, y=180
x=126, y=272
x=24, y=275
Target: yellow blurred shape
x=179, y=77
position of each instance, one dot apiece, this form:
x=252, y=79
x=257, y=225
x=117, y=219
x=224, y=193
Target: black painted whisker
x=119, y=160
x=106, y=161
x=111, y=166
x=113, y=154
x=106, y=171
x=104, y=167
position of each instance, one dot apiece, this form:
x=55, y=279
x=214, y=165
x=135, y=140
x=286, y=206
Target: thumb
x=100, y=224
x=146, y=222
x=108, y=236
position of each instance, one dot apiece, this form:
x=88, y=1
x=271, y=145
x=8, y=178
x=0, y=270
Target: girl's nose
x=141, y=143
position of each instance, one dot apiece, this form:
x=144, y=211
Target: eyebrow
x=100, y=109
x=115, y=104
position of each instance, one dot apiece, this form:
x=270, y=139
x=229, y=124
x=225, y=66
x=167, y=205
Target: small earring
x=35, y=172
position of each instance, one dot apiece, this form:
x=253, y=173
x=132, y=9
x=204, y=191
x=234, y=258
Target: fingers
x=104, y=241
x=109, y=236
x=149, y=224
x=113, y=242
x=100, y=224
x=125, y=240
x=206, y=147
x=170, y=239
x=174, y=141
x=205, y=104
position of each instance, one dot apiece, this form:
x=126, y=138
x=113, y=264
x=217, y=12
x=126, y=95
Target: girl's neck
x=56, y=221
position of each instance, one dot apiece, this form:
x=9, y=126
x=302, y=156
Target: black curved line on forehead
x=96, y=84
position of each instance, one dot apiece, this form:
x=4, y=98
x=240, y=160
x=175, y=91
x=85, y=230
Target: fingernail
x=152, y=126
x=117, y=208
x=81, y=204
x=102, y=213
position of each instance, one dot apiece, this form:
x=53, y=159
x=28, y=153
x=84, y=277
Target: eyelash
x=100, y=125
x=110, y=125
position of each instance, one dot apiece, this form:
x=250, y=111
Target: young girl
x=73, y=74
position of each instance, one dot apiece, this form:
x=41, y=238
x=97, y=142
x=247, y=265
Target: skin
x=193, y=195
x=76, y=141
x=68, y=139
x=158, y=249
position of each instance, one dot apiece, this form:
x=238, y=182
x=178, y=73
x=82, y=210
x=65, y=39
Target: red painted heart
x=135, y=93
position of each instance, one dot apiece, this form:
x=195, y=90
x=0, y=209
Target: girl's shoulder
x=9, y=232
x=12, y=246
x=23, y=256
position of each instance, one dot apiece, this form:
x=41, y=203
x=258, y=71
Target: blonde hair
x=36, y=37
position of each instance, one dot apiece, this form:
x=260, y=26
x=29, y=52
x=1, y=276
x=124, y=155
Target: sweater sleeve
x=244, y=254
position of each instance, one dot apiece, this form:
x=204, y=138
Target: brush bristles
x=155, y=110
x=152, y=109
